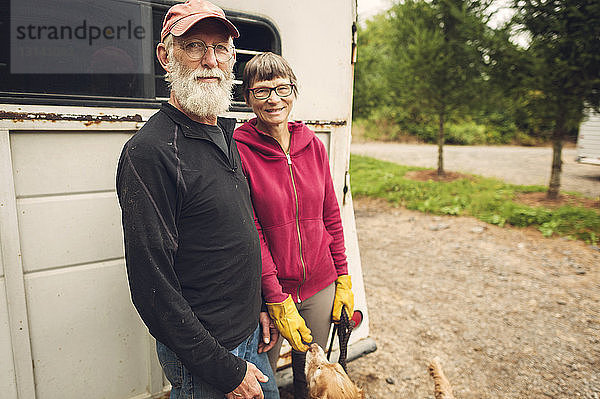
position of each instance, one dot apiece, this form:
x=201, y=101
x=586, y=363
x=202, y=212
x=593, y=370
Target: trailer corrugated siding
x=73, y=328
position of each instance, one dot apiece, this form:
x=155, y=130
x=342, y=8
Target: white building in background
x=588, y=140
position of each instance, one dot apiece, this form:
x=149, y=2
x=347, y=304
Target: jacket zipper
x=230, y=159
x=289, y=161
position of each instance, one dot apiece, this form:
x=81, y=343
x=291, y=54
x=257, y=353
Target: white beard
x=200, y=98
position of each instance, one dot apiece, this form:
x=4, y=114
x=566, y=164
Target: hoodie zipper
x=289, y=161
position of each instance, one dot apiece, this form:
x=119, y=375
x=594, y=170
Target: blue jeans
x=185, y=385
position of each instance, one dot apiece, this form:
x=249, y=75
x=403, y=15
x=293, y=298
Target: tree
x=439, y=63
x=370, y=90
x=564, y=66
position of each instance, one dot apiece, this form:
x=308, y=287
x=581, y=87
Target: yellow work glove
x=343, y=296
x=290, y=324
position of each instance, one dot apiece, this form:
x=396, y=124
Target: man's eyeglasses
x=262, y=93
x=196, y=49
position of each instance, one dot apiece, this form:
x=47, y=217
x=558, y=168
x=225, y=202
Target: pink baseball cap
x=181, y=17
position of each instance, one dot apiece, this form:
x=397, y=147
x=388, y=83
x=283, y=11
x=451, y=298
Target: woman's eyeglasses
x=262, y=93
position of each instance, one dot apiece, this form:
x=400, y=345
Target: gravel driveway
x=509, y=314
x=519, y=165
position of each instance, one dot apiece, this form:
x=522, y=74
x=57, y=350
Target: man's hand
x=270, y=333
x=249, y=388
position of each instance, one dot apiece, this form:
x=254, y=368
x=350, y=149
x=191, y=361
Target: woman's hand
x=290, y=324
x=343, y=297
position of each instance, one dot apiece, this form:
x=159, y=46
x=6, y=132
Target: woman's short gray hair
x=267, y=66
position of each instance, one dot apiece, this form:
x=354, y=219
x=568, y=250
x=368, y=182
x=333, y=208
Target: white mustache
x=208, y=73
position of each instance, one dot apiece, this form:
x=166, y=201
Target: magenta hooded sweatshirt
x=296, y=212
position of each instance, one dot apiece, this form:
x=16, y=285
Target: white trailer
x=77, y=79
x=588, y=140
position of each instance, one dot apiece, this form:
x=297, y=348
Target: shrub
x=466, y=133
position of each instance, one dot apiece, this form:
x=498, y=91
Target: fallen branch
x=443, y=390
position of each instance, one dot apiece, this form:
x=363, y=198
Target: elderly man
x=191, y=246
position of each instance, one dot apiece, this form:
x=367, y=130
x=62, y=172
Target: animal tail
x=443, y=389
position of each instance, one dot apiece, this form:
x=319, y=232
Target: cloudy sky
x=367, y=8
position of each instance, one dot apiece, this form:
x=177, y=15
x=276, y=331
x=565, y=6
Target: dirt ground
x=508, y=313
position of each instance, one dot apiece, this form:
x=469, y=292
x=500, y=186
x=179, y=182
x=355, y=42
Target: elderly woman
x=305, y=277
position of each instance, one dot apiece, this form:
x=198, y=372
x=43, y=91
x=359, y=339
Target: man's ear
x=163, y=58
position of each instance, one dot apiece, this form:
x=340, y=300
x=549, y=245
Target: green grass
x=490, y=200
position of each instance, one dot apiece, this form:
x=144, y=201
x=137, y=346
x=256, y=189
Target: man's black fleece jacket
x=191, y=246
